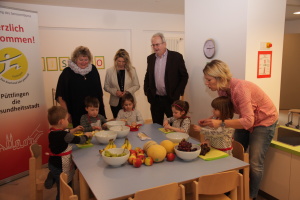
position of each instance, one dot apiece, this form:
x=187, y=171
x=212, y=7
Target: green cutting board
x=214, y=154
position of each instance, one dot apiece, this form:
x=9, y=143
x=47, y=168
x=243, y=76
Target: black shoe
x=49, y=182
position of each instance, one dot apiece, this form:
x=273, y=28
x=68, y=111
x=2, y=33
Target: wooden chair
x=213, y=187
x=195, y=134
x=239, y=153
x=171, y=191
x=37, y=174
x=66, y=192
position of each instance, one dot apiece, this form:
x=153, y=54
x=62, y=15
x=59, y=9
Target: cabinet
x=282, y=175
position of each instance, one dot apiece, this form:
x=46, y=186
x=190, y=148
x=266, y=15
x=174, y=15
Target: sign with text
x=22, y=110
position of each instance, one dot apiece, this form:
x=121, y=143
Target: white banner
x=23, y=115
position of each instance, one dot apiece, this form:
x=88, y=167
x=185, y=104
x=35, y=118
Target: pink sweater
x=252, y=104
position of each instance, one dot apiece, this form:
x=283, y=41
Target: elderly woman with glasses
x=119, y=79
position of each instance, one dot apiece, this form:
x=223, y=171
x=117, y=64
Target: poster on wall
x=23, y=111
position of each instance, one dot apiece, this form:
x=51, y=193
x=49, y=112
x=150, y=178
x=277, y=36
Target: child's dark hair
x=225, y=106
x=91, y=102
x=127, y=97
x=56, y=113
x=181, y=106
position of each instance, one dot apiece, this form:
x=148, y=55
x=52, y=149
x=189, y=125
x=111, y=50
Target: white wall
x=209, y=19
x=104, y=32
x=237, y=31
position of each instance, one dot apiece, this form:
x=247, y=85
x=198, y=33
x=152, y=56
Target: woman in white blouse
x=120, y=78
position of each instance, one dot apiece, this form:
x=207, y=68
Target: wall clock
x=264, y=64
x=209, y=48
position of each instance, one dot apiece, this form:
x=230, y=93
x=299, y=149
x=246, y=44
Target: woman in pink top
x=257, y=116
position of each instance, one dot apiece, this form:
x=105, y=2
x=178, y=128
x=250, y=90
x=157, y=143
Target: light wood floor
x=18, y=189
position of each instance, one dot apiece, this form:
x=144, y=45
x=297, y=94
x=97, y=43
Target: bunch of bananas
x=110, y=145
x=126, y=144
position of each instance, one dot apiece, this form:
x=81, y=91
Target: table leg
x=84, y=188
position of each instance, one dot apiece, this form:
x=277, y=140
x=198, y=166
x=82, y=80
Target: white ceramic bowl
x=176, y=137
x=115, y=123
x=103, y=137
x=116, y=161
x=122, y=131
x=188, y=156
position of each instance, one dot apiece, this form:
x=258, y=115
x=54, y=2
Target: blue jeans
x=259, y=141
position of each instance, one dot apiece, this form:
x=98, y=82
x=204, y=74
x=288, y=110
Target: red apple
x=137, y=162
x=132, y=151
x=148, y=161
x=170, y=157
x=141, y=156
x=131, y=158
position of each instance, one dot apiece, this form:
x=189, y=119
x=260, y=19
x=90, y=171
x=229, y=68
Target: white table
x=111, y=183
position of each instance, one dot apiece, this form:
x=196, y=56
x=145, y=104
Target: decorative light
x=297, y=13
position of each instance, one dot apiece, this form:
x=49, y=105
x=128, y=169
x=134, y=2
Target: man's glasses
x=156, y=45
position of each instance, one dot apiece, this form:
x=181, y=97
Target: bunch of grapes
x=185, y=146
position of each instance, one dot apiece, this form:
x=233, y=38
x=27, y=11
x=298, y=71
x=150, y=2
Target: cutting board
x=214, y=154
x=164, y=130
x=82, y=146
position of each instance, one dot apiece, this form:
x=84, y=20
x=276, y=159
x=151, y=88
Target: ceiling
x=153, y=6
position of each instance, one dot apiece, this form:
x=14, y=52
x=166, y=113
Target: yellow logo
x=13, y=64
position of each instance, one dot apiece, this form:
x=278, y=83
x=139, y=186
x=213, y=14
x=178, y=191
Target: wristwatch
x=223, y=124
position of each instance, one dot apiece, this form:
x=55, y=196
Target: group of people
x=79, y=93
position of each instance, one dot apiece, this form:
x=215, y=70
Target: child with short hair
x=60, y=158
x=180, y=122
x=219, y=138
x=92, y=120
x=129, y=114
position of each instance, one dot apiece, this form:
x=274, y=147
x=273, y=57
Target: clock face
x=209, y=48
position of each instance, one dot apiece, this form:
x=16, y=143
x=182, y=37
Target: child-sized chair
x=214, y=186
x=37, y=174
x=66, y=192
x=171, y=191
x=239, y=153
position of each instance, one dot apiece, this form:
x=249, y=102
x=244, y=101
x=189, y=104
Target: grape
x=185, y=146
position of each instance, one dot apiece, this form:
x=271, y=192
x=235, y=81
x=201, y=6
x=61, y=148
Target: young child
x=60, y=159
x=220, y=138
x=179, y=122
x=92, y=120
x=129, y=114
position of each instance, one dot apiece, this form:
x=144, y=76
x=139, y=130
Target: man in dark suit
x=165, y=79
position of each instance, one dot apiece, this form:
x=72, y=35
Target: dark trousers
x=160, y=106
x=115, y=109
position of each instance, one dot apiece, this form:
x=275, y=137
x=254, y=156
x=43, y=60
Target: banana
x=113, y=145
x=126, y=144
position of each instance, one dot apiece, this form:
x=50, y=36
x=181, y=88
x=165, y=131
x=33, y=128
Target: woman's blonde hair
x=122, y=53
x=220, y=71
x=81, y=51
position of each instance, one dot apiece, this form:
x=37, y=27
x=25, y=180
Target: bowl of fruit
x=115, y=123
x=187, y=151
x=103, y=137
x=122, y=131
x=115, y=156
x=176, y=137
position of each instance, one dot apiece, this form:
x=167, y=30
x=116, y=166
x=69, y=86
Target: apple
x=137, y=162
x=141, y=156
x=148, y=161
x=131, y=158
x=137, y=149
x=170, y=157
x=132, y=151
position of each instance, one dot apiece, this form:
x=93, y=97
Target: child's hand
x=168, y=127
x=89, y=134
x=104, y=126
x=165, y=123
x=196, y=128
x=96, y=128
x=78, y=128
